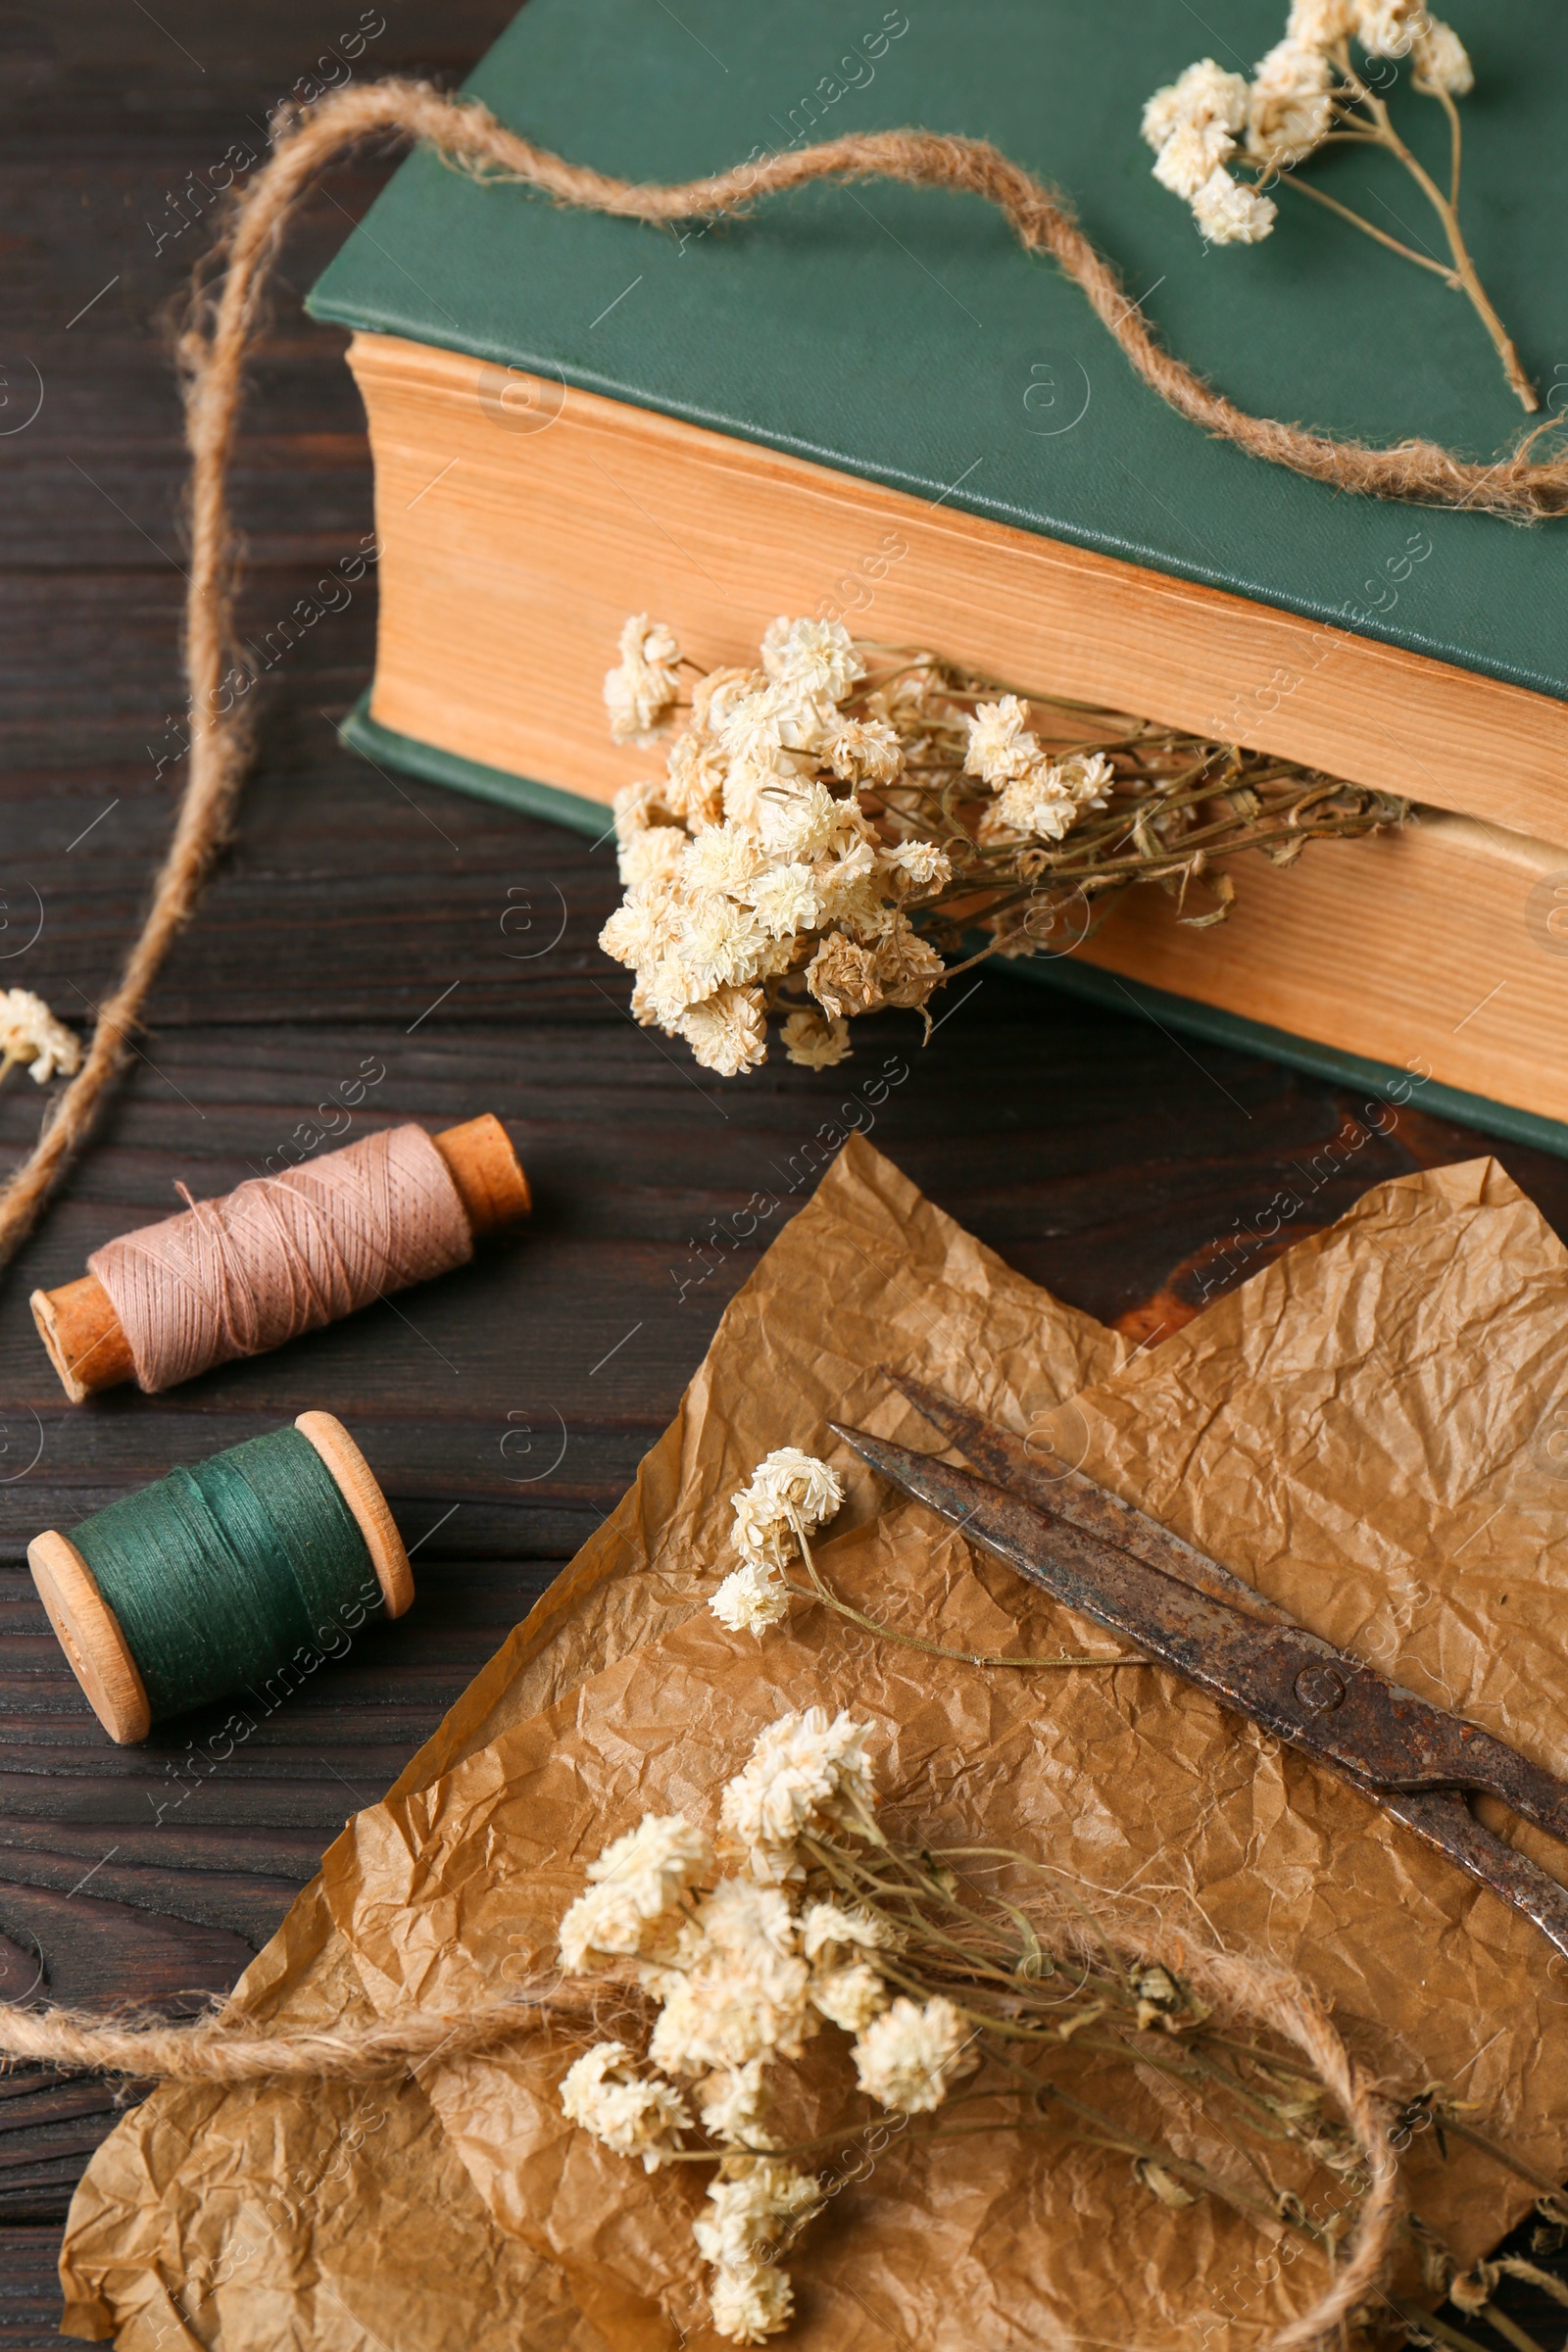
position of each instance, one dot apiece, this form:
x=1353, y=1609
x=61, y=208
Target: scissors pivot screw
x=1320, y=1687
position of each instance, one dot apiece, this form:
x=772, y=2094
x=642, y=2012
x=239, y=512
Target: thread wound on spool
x=283, y=1254
x=248, y=1571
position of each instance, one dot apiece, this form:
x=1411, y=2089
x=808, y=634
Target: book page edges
x=522, y=520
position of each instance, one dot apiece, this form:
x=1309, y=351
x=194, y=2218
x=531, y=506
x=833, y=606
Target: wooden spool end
x=487, y=1172
x=355, y=1483
x=90, y=1635
x=81, y=1332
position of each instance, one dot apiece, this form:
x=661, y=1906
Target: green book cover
x=902, y=334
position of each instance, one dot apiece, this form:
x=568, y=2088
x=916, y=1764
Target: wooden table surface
x=359, y=924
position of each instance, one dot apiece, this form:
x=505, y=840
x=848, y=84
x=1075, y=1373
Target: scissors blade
x=1295, y=1685
x=1442, y=1818
x=1023, y=1466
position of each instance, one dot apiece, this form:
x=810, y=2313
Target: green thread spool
x=222, y=1575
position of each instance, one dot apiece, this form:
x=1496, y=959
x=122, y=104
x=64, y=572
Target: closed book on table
x=867, y=401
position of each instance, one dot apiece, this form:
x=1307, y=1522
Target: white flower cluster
x=630, y=2114
x=751, y=858
x=30, y=1033
x=633, y=1888
x=790, y=1492
x=745, y=1973
x=806, y=1775
x=1196, y=121
x=1037, y=798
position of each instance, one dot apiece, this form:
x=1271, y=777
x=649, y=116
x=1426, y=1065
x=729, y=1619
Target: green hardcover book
x=867, y=399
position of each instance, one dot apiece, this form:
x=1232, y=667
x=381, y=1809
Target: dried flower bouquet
x=1306, y=95
x=835, y=824
x=969, y=1980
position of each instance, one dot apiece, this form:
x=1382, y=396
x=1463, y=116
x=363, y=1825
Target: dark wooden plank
x=354, y=926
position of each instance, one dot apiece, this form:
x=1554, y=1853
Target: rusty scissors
x=1109, y=1561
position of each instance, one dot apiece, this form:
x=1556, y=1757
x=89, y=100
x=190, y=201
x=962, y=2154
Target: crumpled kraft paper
x=1365, y=1430
x=865, y=1266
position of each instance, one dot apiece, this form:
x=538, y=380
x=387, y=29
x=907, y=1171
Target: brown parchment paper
x=1365, y=1430
x=865, y=1265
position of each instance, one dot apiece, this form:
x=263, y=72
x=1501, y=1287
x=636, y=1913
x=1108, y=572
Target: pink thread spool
x=279, y=1256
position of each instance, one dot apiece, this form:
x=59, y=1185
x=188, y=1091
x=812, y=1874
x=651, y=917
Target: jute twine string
x=283, y=1254
x=226, y=2048
x=213, y=352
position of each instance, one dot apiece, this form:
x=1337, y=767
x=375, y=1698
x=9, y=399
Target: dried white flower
x=1283, y=132
x=30, y=1034
x=634, y=1886
x=1227, y=213
x=734, y=2104
x=725, y=2012
x=1204, y=94
x=1389, y=27
x=728, y=1032
x=741, y=1917
x=908, y=966
x=636, y=807
x=1440, y=60
x=803, y=823
x=754, y=2201
x=843, y=877
x=850, y=1996
x=641, y=688
x=909, y=2057
x=758, y=2202
x=631, y=2115
x=744, y=1993
x=1319, y=24
x=659, y=1860
x=1292, y=69
x=693, y=789
x=928, y=867
x=815, y=1043
x=1290, y=111
x=811, y=657
x=666, y=989
x=751, y=728
x=724, y=858
x=653, y=853
x=717, y=694
x=761, y=1532
x=785, y=900
x=1192, y=152
x=804, y=1773
x=749, y=2302
x=831, y=1928
x=751, y=1599
x=808, y=1486
x=1000, y=744
x=842, y=976
x=789, y=1487
x=637, y=933
x=1047, y=800
x=865, y=751
x=721, y=943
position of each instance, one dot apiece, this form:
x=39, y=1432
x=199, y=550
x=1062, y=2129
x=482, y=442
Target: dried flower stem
x=822, y=1590
x=1464, y=273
